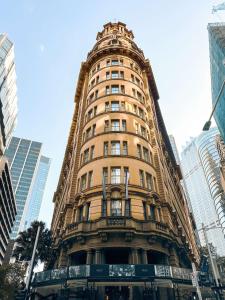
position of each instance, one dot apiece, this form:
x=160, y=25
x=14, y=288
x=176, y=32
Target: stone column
x=98, y=256
x=144, y=257
x=134, y=256
x=89, y=257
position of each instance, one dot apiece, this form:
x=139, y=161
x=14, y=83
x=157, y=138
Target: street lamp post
x=208, y=123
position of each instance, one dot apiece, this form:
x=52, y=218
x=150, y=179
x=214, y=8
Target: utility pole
x=195, y=281
x=32, y=260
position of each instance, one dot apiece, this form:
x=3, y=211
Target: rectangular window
x=121, y=74
x=83, y=182
x=114, y=62
x=115, y=89
x=115, y=148
x=115, y=106
x=139, y=152
x=90, y=114
x=98, y=66
x=95, y=110
x=105, y=174
x=125, y=148
x=88, y=133
x=139, y=96
x=92, y=152
x=104, y=208
x=143, y=131
x=88, y=211
x=108, y=63
x=114, y=74
x=146, y=154
x=134, y=92
x=115, y=125
x=137, y=81
x=107, y=75
x=124, y=125
x=122, y=89
x=121, y=62
x=116, y=208
x=107, y=107
x=80, y=214
x=107, y=90
x=91, y=97
x=93, y=129
x=96, y=94
x=86, y=155
x=149, y=181
x=115, y=175
x=90, y=179
x=142, y=179
x=141, y=113
x=97, y=79
x=106, y=125
x=122, y=107
x=152, y=212
x=132, y=77
x=127, y=207
x=135, y=109
x=145, y=210
x=136, y=128
x=106, y=148
x=92, y=82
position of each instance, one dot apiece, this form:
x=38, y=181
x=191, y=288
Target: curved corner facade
x=119, y=190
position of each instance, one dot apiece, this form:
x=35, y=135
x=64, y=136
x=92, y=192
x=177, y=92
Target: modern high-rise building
x=118, y=204
x=7, y=207
x=174, y=147
x=24, y=158
x=201, y=170
x=217, y=66
x=8, y=91
x=38, y=189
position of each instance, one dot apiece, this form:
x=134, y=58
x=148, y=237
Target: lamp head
x=207, y=126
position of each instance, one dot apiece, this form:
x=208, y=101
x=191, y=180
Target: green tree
x=11, y=278
x=25, y=243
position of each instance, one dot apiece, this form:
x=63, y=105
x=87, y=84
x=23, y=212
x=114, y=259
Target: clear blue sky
x=52, y=38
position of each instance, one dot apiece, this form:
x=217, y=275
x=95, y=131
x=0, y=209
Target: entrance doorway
x=117, y=292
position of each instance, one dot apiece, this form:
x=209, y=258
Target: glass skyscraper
x=24, y=158
x=200, y=165
x=217, y=66
x=38, y=190
x=8, y=91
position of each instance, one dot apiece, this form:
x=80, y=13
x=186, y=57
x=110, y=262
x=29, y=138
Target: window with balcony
x=142, y=178
x=115, y=148
x=86, y=155
x=114, y=74
x=92, y=152
x=149, y=181
x=139, y=152
x=106, y=148
x=152, y=212
x=83, y=182
x=115, y=175
x=115, y=125
x=115, y=106
x=116, y=208
x=115, y=89
x=146, y=154
x=90, y=179
x=125, y=148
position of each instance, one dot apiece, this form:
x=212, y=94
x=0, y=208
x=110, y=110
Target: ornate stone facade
x=119, y=199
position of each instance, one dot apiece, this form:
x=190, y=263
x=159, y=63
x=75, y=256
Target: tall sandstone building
x=119, y=199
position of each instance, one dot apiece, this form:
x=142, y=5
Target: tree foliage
x=11, y=278
x=25, y=243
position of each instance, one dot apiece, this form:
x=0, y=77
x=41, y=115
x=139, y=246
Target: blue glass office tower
x=38, y=190
x=24, y=157
x=217, y=66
